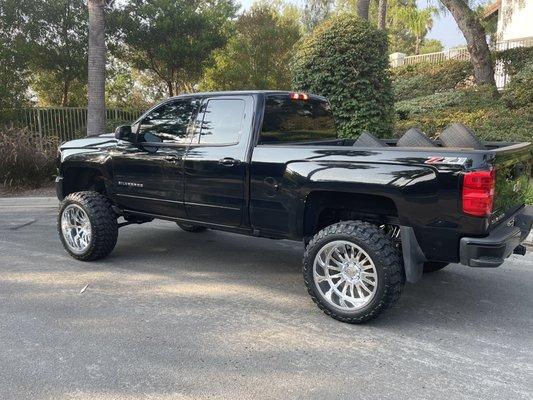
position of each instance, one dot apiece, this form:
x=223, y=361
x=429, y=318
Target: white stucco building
x=514, y=19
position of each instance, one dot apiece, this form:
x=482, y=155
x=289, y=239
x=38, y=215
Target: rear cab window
x=288, y=120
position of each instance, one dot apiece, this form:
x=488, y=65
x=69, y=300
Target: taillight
x=299, y=96
x=478, y=192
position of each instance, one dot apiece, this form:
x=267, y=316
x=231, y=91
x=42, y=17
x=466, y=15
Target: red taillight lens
x=299, y=96
x=478, y=192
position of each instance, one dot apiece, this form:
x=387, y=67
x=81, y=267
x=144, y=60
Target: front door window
x=168, y=123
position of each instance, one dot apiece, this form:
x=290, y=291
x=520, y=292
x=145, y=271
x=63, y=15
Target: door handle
x=228, y=162
x=172, y=159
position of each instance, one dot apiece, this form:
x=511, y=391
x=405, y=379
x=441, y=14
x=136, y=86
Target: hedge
x=514, y=59
x=426, y=78
x=26, y=161
x=489, y=117
x=519, y=92
x=423, y=79
x=346, y=60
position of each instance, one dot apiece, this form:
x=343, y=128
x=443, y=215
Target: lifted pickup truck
x=372, y=213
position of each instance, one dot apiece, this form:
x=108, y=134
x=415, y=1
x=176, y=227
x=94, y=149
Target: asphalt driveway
x=176, y=315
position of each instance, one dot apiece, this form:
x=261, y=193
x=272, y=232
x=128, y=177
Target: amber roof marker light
x=298, y=96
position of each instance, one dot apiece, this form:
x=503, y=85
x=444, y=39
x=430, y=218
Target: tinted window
x=222, y=121
x=168, y=122
x=288, y=120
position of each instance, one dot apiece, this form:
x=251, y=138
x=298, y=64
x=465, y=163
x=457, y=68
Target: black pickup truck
x=371, y=213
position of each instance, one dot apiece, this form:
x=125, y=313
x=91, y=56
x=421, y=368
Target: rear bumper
x=492, y=250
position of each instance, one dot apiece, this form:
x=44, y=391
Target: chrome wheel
x=76, y=228
x=345, y=275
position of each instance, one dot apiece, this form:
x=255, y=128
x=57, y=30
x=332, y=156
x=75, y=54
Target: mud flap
x=413, y=257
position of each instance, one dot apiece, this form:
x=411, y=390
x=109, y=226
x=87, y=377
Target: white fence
x=499, y=74
x=64, y=123
x=461, y=53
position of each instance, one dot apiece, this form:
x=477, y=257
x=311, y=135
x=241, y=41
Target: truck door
x=149, y=170
x=215, y=164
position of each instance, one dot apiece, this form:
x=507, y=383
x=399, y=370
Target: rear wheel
x=87, y=225
x=434, y=266
x=191, y=227
x=353, y=271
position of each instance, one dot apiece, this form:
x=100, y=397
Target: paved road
x=174, y=315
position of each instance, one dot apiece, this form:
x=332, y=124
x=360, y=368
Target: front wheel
x=353, y=271
x=87, y=225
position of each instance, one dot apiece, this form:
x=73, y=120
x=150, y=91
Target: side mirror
x=123, y=132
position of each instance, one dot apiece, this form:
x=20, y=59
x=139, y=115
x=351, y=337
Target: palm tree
x=382, y=14
x=96, y=118
x=362, y=8
x=418, y=22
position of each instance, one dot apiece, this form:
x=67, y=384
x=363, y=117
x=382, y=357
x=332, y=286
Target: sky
x=444, y=28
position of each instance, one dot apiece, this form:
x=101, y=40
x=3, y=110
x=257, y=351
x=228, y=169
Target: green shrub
x=519, y=92
x=423, y=79
x=112, y=124
x=26, y=161
x=529, y=193
x=514, y=60
x=475, y=107
x=345, y=59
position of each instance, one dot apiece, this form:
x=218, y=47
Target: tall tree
x=315, y=12
x=174, y=39
x=13, y=64
x=258, y=55
x=363, y=7
x=96, y=115
x=476, y=42
x=55, y=34
x=419, y=22
x=382, y=14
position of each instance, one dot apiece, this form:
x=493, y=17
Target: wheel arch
x=323, y=208
x=77, y=178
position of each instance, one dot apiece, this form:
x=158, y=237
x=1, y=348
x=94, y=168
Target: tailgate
x=513, y=175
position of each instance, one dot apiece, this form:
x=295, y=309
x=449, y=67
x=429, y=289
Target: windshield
x=288, y=120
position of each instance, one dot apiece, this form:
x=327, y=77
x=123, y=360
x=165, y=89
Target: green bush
x=514, y=60
x=425, y=79
x=475, y=107
x=345, y=59
x=112, y=124
x=26, y=161
x=529, y=193
x=519, y=92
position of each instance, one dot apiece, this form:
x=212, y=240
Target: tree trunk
x=64, y=96
x=96, y=118
x=476, y=41
x=382, y=14
x=362, y=8
x=418, y=41
x=170, y=87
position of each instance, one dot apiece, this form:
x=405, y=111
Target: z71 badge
x=446, y=160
